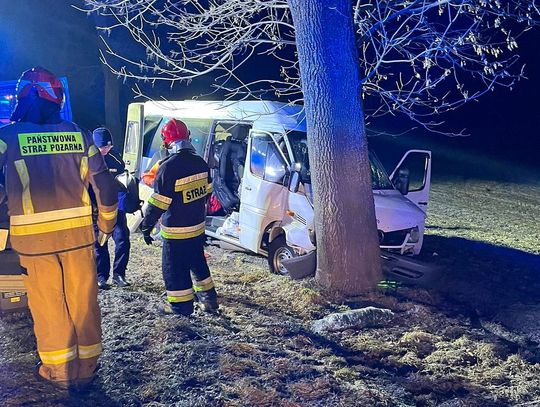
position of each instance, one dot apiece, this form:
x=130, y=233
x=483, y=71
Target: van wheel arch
x=279, y=250
x=275, y=232
x=272, y=232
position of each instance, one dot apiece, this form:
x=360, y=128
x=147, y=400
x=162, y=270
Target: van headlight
x=414, y=235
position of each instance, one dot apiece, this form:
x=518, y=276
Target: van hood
x=395, y=212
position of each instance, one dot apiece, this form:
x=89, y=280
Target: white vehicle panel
x=419, y=197
x=261, y=203
x=395, y=212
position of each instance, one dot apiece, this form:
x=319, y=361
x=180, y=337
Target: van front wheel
x=277, y=252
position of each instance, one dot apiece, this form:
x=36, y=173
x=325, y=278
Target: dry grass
x=445, y=346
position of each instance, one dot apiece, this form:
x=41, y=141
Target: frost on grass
x=464, y=344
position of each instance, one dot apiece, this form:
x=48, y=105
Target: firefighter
x=180, y=192
x=115, y=164
x=48, y=165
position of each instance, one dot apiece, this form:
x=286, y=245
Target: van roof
x=265, y=115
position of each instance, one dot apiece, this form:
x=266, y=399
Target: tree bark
x=347, y=244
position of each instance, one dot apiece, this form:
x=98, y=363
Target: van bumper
x=409, y=270
x=301, y=266
x=402, y=268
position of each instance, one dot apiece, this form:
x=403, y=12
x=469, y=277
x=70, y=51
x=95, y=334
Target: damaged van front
x=400, y=220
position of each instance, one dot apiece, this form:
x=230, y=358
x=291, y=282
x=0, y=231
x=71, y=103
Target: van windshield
x=199, y=130
x=298, y=142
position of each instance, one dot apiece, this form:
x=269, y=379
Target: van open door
x=412, y=177
x=134, y=138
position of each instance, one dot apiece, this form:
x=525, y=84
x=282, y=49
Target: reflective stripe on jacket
x=181, y=187
x=48, y=169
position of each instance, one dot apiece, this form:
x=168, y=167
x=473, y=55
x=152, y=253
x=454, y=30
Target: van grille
x=395, y=238
x=300, y=219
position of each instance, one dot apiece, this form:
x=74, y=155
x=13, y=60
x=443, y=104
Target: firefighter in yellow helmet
x=48, y=164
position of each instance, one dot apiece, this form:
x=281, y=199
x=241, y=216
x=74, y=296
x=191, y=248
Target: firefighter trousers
x=185, y=271
x=62, y=296
x=122, y=247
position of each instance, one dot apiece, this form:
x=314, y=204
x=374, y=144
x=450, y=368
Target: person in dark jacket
x=181, y=188
x=115, y=164
x=49, y=164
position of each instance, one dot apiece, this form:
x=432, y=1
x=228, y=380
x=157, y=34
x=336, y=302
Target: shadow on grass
x=484, y=277
x=18, y=360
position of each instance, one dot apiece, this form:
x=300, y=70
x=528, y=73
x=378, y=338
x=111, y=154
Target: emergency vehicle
x=12, y=292
x=268, y=208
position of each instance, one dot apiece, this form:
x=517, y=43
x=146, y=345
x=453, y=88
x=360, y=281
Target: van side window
x=132, y=141
x=258, y=156
x=266, y=161
x=417, y=165
x=199, y=131
x=151, y=124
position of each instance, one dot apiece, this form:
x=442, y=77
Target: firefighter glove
x=146, y=236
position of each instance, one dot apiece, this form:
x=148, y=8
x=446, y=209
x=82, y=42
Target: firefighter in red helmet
x=174, y=131
x=49, y=164
x=181, y=188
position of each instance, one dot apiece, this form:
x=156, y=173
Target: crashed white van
x=258, y=154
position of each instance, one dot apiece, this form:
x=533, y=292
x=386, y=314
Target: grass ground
x=471, y=340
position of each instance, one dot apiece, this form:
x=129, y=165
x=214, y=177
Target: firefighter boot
x=177, y=308
x=208, y=300
x=42, y=376
x=120, y=281
x=102, y=283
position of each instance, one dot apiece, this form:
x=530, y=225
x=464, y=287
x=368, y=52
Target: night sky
x=53, y=34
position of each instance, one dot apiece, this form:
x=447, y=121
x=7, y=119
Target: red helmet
x=174, y=130
x=44, y=82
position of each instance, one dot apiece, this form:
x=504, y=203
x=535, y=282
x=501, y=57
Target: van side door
x=134, y=137
x=264, y=193
x=220, y=131
x=414, y=169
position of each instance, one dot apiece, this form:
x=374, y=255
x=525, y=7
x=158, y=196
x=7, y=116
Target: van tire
x=279, y=250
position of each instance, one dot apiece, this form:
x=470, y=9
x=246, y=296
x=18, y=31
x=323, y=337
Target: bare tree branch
x=419, y=58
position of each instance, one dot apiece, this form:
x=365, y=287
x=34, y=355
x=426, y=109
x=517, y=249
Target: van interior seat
x=231, y=163
x=228, y=172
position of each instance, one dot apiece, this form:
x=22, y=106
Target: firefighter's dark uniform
x=180, y=190
x=120, y=235
x=48, y=170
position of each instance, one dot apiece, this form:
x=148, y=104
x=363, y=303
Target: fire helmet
x=173, y=131
x=46, y=85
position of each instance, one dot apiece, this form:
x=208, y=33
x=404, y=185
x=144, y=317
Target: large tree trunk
x=347, y=244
